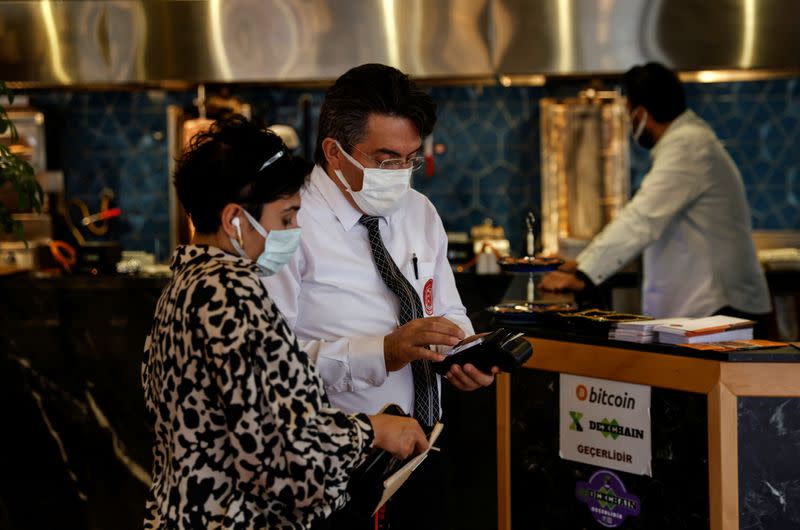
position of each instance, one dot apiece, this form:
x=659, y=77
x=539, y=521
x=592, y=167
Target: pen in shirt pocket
x=414, y=263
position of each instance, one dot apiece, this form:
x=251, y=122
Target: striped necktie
x=426, y=390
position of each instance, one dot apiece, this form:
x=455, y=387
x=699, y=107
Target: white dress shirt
x=339, y=307
x=691, y=217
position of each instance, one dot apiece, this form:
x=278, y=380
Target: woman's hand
x=400, y=435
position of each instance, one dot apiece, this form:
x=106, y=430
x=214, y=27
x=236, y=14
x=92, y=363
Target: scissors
x=64, y=254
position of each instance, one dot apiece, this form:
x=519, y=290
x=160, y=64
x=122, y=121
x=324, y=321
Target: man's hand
x=400, y=435
x=561, y=281
x=570, y=265
x=409, y=342
x=470, y=378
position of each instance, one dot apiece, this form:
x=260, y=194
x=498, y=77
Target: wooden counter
x=723, y=382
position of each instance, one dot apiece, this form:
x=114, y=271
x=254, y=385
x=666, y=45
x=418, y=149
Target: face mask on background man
x=641, y=135
x=382, y=190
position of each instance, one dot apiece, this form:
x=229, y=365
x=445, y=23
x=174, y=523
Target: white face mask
x=382, y=190
x=279, y=245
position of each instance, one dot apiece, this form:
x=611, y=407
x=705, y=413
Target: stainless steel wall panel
x=569, y=37
x=148, y=41
x=238, y=40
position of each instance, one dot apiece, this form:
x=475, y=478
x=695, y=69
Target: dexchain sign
x=605, y=423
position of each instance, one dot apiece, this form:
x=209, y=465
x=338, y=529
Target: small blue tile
x=772, y=221
x=95, y=100
x=750, y=88
x=776, y=86
x=789, y=124
x=771, y=141
x=776, y=105
x=94, y=119
x=124, y=118
x=455, y=93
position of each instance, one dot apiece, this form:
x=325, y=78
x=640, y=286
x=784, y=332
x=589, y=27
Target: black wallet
x=505, y=349
x=366, y=485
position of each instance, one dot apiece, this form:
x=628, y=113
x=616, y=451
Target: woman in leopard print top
x=244, y=437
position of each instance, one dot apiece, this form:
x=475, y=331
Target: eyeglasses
x=413, y=162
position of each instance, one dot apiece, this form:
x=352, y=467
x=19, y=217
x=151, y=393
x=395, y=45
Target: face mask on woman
x=279, y=245
x=382, y=190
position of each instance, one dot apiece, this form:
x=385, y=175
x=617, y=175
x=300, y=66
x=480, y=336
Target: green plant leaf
x=14, y=133
x=18, y=172
x=18, y=233
x=24, y=201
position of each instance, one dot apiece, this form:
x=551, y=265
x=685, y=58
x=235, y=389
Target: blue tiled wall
x=490, y=167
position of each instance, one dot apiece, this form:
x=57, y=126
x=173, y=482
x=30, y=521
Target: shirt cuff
x=367, y=362
x=593, y=263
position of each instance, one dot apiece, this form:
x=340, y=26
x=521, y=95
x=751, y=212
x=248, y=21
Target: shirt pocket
x=425, y=285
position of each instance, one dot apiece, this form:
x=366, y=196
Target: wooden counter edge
x=723, y=458
x=620, y=364
x=761, y=379
x=503, y=382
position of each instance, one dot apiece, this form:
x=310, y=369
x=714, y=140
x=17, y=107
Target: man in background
x=690, y=216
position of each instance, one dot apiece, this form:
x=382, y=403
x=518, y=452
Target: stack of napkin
x=641, y=331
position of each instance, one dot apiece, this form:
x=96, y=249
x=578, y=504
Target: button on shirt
x=691, y=217
x=340, y=308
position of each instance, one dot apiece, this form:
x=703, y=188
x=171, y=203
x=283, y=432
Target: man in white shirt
x=690, y=216
x=370, y=288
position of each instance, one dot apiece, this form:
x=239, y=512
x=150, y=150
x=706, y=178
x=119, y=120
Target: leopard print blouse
x=244, y=437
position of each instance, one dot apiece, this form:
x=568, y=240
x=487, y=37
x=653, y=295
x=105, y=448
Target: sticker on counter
x=607, y=498
x=427, y=297
x=605, y=424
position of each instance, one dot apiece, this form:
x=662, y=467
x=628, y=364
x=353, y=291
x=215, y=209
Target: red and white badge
x=427, y=297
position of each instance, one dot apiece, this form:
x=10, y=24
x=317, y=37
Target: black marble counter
x=76, y=446
x=76, y=450
x=769, y=470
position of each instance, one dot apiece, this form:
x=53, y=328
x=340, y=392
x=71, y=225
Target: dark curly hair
x=371, y=89
x=222, y=166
